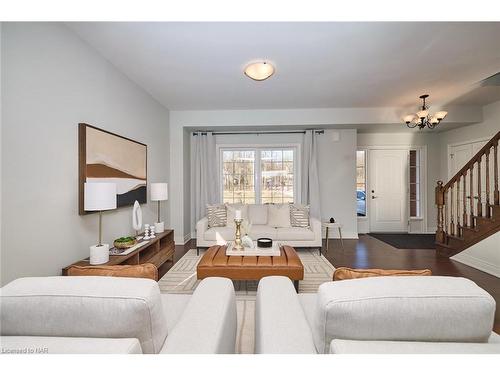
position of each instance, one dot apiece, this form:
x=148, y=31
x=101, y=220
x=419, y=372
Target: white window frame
x=364, y=218
x=257, y=148
x=420, y=187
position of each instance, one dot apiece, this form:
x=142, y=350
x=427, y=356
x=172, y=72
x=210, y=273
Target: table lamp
x=99, y=196
x=159, y=192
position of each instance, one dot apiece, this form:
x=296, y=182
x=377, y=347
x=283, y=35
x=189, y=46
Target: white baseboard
x=480, y=264
x=182, y=240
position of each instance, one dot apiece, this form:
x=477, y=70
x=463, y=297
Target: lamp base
x=99, y=254
x=159, y=227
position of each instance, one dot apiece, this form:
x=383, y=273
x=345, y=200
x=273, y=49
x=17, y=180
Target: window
x=415, y=183
x=238, y=175
x=259, y=175
x=361, y=183
x=276, y=168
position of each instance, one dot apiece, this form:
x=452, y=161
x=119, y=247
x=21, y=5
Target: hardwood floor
x=368, y=252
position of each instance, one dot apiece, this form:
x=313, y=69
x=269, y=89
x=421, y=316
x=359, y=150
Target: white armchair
x=95, y=314
x=413, y=314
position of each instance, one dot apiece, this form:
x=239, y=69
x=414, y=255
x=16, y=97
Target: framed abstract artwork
x=108, y=157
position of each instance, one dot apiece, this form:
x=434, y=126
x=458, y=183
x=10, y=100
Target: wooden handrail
x=462, y=184
x=477, y=157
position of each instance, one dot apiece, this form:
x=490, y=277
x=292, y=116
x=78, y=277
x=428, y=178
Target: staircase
x=469, y=204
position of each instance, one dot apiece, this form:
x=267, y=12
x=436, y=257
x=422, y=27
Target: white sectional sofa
x=115, y=315
x=413, y=314
x=257, y=216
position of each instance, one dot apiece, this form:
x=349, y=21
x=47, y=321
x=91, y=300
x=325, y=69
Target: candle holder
x=237, y=240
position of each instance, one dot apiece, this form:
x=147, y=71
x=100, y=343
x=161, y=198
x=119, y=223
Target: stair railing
x=475, y=181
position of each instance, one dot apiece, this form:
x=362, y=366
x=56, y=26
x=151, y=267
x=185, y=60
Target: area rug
x=181, y=278
x=407, y=240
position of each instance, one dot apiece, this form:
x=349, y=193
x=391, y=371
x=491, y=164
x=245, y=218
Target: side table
x=327, y=226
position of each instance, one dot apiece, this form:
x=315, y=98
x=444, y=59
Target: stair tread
x=455, y=237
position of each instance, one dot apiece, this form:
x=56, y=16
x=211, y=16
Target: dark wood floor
x=368, y=252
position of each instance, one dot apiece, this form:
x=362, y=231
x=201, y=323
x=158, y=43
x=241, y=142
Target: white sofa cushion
x=411, y=347
x=259, y=231
x=173, y=307
x=85, y=306
x=68, y=345
x=219, y=234
x=279, y=216
x=406, y=308
x=208, y=323
x=257, y=214
x=231, y=209
x=294, y=234
x=280, y=322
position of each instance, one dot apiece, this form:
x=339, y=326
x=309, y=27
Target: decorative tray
x=273, y=251
x=116, y=251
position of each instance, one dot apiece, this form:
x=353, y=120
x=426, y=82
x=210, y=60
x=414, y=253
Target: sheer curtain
x=310, y=179
x=206, y=187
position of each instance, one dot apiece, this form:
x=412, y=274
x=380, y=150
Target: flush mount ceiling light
x=423, y=118
x=259, y=71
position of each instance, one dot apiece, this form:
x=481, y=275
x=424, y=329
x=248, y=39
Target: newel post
x=440, y=203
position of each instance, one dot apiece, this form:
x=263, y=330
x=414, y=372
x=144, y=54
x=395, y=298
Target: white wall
x=413, y=140
x=336, y=167
x=51, y=81
x=484, y=255
x=278, y=120
x=337, y=179
x=485, y=129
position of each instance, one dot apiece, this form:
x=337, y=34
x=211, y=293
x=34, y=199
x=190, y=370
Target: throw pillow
x=231, y=209
x=217, y=215
x=345, y=273
x=257, y=214
x=299, y=215
x=145, y=271
x=279, y=216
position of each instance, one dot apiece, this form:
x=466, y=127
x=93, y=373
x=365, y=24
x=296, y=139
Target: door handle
x=373, y=197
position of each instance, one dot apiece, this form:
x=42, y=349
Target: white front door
x=388, y=191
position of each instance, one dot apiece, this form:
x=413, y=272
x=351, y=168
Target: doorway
x=388, y=190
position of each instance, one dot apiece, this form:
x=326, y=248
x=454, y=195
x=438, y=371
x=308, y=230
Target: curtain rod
x=259, y=132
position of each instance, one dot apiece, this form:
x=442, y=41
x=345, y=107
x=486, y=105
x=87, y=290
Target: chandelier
x=423, y=118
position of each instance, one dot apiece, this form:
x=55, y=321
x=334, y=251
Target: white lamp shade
x=99, y=196
x=159, y=191
x=441, y=115
x=423, y=113
x=409, y=118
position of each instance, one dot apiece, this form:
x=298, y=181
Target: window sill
x=416, y=218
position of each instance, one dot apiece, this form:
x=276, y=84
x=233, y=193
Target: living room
x=203, y=178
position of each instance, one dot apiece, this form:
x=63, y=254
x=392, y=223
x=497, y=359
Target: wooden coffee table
x=215, y=262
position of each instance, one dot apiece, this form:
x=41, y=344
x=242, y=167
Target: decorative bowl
x=264, y=242
x=125, y=242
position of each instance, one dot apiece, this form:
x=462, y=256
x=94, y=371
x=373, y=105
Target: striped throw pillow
x=217, y=215
x=299, y=215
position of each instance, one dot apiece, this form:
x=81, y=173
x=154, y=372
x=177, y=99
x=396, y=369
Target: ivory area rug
x=181, y=278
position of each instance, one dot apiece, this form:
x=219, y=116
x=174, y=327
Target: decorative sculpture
x=137, y=218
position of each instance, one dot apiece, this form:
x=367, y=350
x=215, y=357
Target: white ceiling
x=199, y=66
